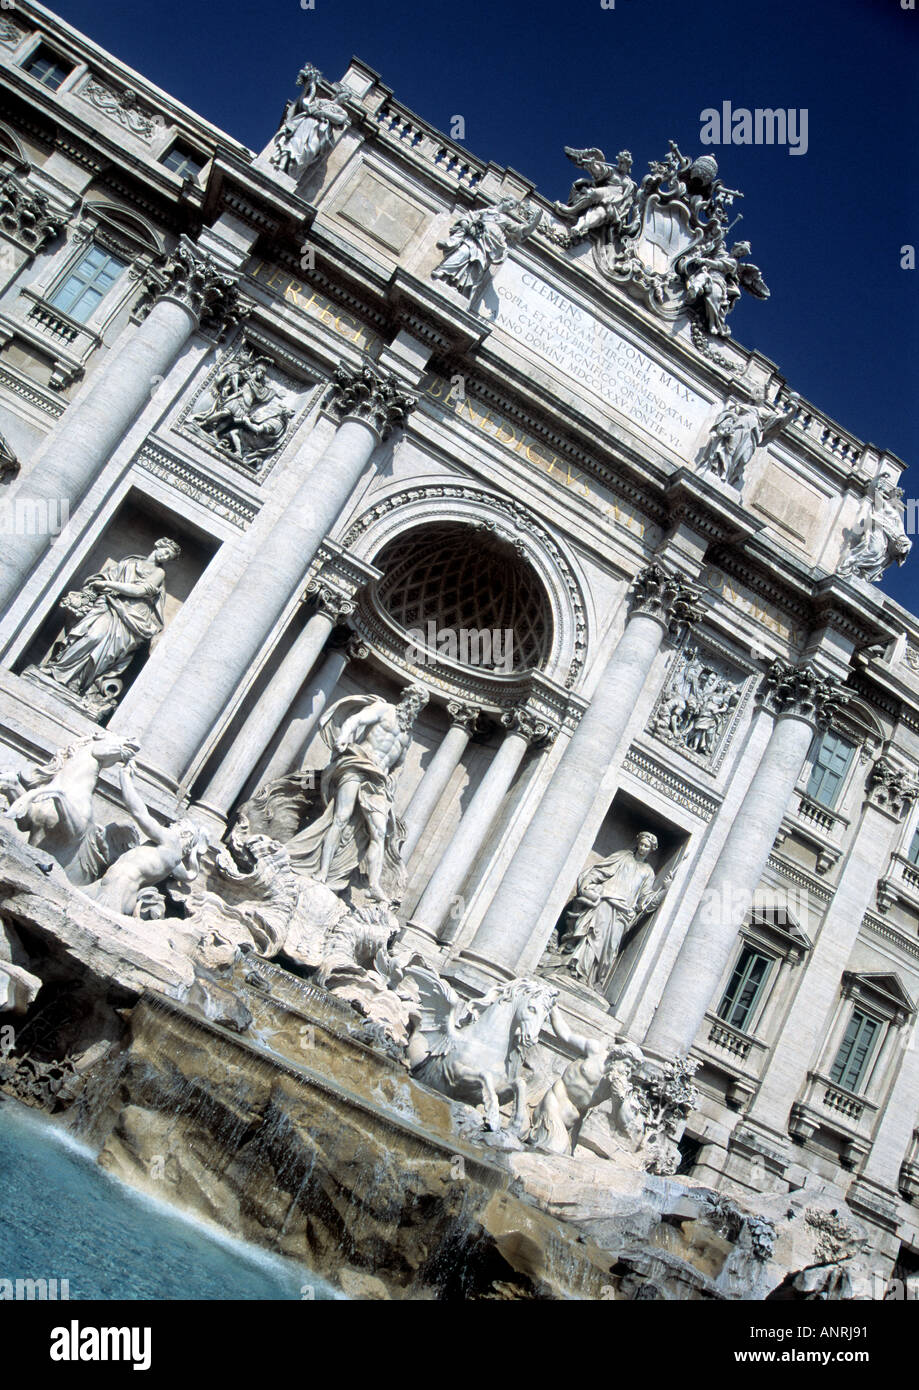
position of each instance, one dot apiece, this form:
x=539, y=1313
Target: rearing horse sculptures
x=478, y=1049
x=56, y=806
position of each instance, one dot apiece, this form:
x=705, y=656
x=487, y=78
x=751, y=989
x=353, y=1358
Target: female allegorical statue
x=118, y=610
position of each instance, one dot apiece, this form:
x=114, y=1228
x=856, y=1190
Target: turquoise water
x=62, y=1217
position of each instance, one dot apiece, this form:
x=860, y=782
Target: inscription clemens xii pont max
x=582, y=347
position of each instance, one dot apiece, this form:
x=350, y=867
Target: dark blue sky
x=826, y=227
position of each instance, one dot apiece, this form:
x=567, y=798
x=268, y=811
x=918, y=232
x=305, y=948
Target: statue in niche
x=369, y=738
x=249, y=415
x=604, y=201
x=695, y=706
x=883, y=540
x=597, y=1074
x=118, y=611
x=309, y=127
x=53, y=803
x=480, y=240
x=129, y=886
x=611, y=896
x=739, y=430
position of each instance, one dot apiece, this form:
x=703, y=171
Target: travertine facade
x=409, y=422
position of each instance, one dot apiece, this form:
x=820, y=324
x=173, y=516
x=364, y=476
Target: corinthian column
x=660, y=601
x=442, y=767
x=188, y=290
x=266, y=714
x=890, y=792
x=802, y=701
x=470, y=835
x=369, y=405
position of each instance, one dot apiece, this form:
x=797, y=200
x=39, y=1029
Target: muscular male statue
x=598, y=1072
x=369, y=738
x=171, y=851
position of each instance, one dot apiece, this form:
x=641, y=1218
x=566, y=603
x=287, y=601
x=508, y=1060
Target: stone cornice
x=693, y=498
x=427, y=313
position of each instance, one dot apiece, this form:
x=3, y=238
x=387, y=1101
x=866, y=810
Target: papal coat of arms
x=666, y=238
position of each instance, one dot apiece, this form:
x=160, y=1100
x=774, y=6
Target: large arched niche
x=437, y=547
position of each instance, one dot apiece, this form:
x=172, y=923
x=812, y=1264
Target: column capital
x=329, y=600
x=656, y=592
x=463, y=716
x=375, y=398
x=26, y=215
x=801, y=692
x=891, y=788
x=522, y=720
x=338, y=576
x=193, y=278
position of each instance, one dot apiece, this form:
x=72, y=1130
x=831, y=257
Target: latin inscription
x=583, y=348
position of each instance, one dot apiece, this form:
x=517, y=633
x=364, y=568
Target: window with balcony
x=184, y=162
x=851, y=1065
x=831, y=761
x=87, y=282
x=745, y=988
x=912, y=853
x=47, y=68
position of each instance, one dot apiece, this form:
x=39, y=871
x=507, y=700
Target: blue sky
x=826, y=226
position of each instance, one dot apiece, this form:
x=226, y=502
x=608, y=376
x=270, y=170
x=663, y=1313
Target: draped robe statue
x=883, y=540
x=611, y=895
x=359, y=829
x=119, y=610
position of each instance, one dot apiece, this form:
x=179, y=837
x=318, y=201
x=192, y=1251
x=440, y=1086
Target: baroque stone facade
x=545, y=708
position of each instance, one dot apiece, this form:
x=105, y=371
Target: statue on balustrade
x=738, y=431
x=309, y=126
x=359, y=829
x=611, y=896
x=480, y=240
x=117, y=611
x=883, y=539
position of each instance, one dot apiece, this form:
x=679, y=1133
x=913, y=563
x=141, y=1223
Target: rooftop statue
x=665, y=238
x=605, y=200
x=883, y=540
x=739, y=430
x=479, y=241
x=308, y=130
